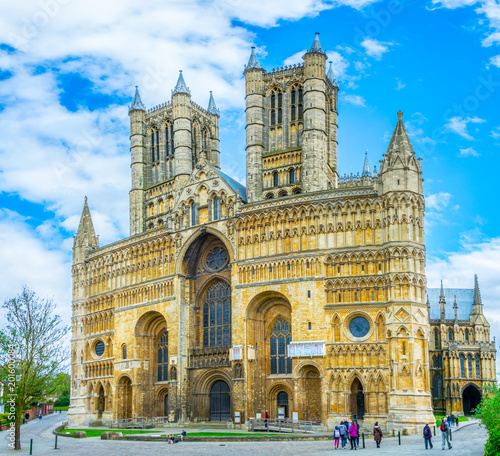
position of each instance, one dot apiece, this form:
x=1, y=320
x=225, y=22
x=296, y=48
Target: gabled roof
x=235, y=185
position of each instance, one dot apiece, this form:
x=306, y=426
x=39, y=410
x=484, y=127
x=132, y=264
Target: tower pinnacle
x=442, y=302
x=253, y=61
x=316, y=46
x=181, y=86
x=136, y=104
x=366, y=167
x=212, y=108
x=331, y=74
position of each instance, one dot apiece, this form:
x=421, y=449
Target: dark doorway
x=100, y=402
x=282, y=400
x=220, y=402
x=471, y=399
x=357, y=400
x=165, y=401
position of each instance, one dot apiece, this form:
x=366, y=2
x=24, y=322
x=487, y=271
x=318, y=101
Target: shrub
x=488, y=411
x=62, y=401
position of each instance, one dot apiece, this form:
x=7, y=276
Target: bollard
x=434, y=431
x=55, y=447
x=363, y=437
x=399, y=437
x=451, y=436
x=31, y=446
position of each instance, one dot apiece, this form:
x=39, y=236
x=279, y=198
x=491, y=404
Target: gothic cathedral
x=303, y=292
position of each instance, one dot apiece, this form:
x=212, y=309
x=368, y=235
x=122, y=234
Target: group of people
x=445, y=428
x=350, y=431
x=171, y=438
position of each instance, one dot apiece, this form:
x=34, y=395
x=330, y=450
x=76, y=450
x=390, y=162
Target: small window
x=275, y=179
x=450, y=335
x=404, y=348
x=340, y=297
x=356, y=296
x=373, y=296
x=291, y=176
x=310, y=325
x=466, y=335
x=398, y=181
x=338, y=270
x=124, y=351
x=379, y=267
x=362, y=268
x=308, y=293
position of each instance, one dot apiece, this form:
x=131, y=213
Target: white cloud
x=495, y=60
x=356, y=100
x=469, y=152
x=459, y=124
x=437, y=202
x=28, y=260
x=495, y=133
x=375, y=48
x=452, y=4
x=400, y=84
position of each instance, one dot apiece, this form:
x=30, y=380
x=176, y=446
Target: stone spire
x=442, y=302
x=137, y=102
x=331, y=75
x=455, y=308
x=181, y=86
x=477, y=304
x=316, y=46
x=366, y=167
x=85, y=239
x=212, y=108
x=253, y=61
x=400, y=143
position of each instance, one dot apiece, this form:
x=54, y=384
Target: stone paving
x=468, y=440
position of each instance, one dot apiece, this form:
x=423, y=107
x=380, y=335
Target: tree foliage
x=488, y=412
x=31, y=350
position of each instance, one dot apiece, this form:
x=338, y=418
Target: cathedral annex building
x=304, y=291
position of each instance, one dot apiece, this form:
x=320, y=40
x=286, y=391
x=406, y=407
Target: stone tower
x=166, y=144
x=291, y=127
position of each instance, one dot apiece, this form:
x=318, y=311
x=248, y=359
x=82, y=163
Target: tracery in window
x=217, y=315
x=281, y=336
x=162, y=358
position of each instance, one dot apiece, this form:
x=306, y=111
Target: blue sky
x=67, y=75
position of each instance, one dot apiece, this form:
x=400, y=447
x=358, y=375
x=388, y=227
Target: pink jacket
x=353, y=430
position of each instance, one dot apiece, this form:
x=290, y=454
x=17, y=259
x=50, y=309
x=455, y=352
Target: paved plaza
x=468, y=440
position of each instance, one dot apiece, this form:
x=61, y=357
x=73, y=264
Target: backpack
x=337, y=433
x=426, y=431
x=443, y=426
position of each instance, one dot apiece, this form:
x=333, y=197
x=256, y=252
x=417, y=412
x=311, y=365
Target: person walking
x=456, y=418
x=377, y=434
x=445, y=436
x=39, y=415
x=266, y=418
x=343, y=434
x=336, y=437
x=353, y=435
x=357, y=434
x=427, y=436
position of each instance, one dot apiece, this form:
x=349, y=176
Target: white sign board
x=297, y=349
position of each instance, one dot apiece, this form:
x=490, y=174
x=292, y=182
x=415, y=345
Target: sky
x=68, y=70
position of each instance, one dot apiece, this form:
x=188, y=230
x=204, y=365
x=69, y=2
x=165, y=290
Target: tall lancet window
x=296, y=110
x=169, y=140
x=281, y=336
x=462, y=366
x=217, y=313
x=276, y=120
x=153, y=146
x=193, y=214
x=162, y=359
x=469, y=365
x=194, y=146
x=216, y=208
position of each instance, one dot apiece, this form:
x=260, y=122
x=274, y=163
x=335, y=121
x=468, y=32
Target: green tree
x=62, y=385
x=488, y=412
x=31, y=351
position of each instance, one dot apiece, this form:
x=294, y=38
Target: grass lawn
x=226, y=434
x=460, y=418
x=98, y=432
x=64, y=409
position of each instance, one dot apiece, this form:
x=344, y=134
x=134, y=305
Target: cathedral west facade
x=302, y=292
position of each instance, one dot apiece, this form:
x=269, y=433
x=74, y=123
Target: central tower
x=291, y=126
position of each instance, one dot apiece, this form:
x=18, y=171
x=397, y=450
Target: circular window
x=216, y=259
x=99, y=348
x=359, y=326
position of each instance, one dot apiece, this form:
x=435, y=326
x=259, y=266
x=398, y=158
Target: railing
x=279, y=425
x=131, y=423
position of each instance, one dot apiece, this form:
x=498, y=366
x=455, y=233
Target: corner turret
x=400, y=169
x=442, y=303
x=85, y=239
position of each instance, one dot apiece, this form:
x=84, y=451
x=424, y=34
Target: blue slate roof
x=235, y=185
x=465, y=299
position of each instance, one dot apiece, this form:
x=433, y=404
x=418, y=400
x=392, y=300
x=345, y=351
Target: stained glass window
x=466, y=335
x=216, y=208
x=478, y=367
x=469, y=365
x=124, y=351
x=462, y=366
x=436, y=339
x=281, y=336
x=450, y=335
x=217, y=316
x=438, y=386
x=162, y=358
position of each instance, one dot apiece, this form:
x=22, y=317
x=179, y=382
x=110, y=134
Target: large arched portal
x=220, y=401
x=124, y=398
x=471, y=399
x=357, y=399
